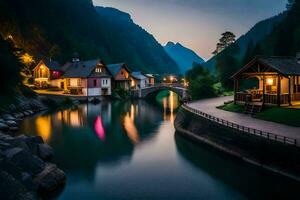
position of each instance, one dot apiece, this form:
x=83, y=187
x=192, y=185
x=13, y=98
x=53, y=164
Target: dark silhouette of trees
x=225, y=41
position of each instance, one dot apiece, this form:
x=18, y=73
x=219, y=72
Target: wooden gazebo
x=279, y=81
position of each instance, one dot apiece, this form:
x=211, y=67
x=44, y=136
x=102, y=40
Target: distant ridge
x=183, y=56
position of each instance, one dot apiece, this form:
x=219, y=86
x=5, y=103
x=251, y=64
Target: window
x=68, y=82
x=95, y=82
x=98, y=70
x=79, y=82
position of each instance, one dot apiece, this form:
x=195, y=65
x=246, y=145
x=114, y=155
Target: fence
x=252, y=131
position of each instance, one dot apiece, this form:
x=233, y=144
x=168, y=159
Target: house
x=87, y=78
x=277, y=81
x=150, y=79
x=47, y=73
x=138, y=80
x=120, y=76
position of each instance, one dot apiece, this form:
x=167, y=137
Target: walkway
x=208, y=106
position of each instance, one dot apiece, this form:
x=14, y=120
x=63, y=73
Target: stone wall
x=275, y=156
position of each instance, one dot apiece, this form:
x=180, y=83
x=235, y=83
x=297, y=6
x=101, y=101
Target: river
x=129, y=150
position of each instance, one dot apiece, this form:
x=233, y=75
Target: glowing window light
x=270, y=81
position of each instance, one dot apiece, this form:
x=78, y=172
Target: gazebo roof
x=282, y=65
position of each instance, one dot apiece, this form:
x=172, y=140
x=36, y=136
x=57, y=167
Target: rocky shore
x=26, y=171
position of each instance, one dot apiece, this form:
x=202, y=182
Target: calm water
x=129, y=150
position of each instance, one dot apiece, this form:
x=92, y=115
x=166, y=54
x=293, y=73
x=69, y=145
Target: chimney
x=298, y=57
x=75, y=57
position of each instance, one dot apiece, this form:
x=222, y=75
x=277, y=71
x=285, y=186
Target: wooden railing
x=296, y=97
x=243, y=97
x=247, y=130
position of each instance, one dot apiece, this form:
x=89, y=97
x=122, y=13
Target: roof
x=115, y=68
x=51, y=64
x=149, y=75
x=81, y=69
x=138, y=76
x=282, y=65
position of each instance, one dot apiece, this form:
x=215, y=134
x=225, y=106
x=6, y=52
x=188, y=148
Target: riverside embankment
x=255, y=143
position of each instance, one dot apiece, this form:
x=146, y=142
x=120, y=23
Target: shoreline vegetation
x=287, y=116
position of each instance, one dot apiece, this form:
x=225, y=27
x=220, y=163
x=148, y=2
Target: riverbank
x=25, y=161
x=256, y=149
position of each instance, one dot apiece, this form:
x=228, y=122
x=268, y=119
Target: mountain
x=183, y=56
x=58, y=28
x=252, y=37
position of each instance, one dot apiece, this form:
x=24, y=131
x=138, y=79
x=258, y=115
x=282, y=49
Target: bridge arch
x=150, y=91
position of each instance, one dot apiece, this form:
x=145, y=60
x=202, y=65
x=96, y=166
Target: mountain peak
x=183, y=56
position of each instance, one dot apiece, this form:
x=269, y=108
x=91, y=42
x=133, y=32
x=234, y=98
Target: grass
x=231, y=107
x=287, y=116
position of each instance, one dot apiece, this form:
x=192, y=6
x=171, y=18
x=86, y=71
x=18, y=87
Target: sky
x=196, y=24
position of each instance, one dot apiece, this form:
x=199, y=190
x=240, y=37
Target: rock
x=2, y=120
x=13, y=129
x=8, y=117
x=11, y=123
x=3, y=127
x=45, y=152
x=4, y=145
x=25, y=160
x=27, y=180
x=11, y=188
x=26, y=113
x=30, y=111
x=50, y=179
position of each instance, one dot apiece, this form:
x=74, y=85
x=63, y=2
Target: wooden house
x=87, y=78
x=277, y=81
x=138, y=80
x=120, y=75
x=47, y=73
x=150, y=79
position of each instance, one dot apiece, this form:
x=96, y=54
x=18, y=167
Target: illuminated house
x=87, y=78
x=150, y=79
x=277, y=81
x=138, y=80
x=47, y=73
x=120, y=75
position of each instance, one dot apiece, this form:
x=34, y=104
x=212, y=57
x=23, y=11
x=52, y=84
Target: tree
x=225, y=41
x=28, y=61
x=200, y=82
x=290, y=4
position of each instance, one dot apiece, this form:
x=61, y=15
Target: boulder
x=8, y=117
x=30, y=112
x=13, y=129
x=50, y=179
x=11, y=123
x=2, y=120
x=45, y=152
x=32, y=142
x=24, y=160
x=3, y=127
x=26, y=113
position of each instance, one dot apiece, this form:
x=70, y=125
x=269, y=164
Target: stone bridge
x=153, y=90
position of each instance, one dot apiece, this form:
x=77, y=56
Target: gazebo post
x=290, y=97
x=278, y=90
x=235, y=89
x=264, y=90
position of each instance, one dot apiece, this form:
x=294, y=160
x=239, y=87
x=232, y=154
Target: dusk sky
x=196, y=24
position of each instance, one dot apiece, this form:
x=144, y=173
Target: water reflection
x=43, y=127
x=170, y=103
x=130, y=129
x=99, y=129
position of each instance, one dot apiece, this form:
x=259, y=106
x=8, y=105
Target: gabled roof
x=115, y=68
x=51, y=64
x=81, y=69
x=138, y=76
x=282, y=65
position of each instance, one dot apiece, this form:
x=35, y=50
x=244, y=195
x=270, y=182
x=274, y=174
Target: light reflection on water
x=127, y=150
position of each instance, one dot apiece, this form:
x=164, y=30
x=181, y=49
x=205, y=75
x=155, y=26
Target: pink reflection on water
x=99, y=128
